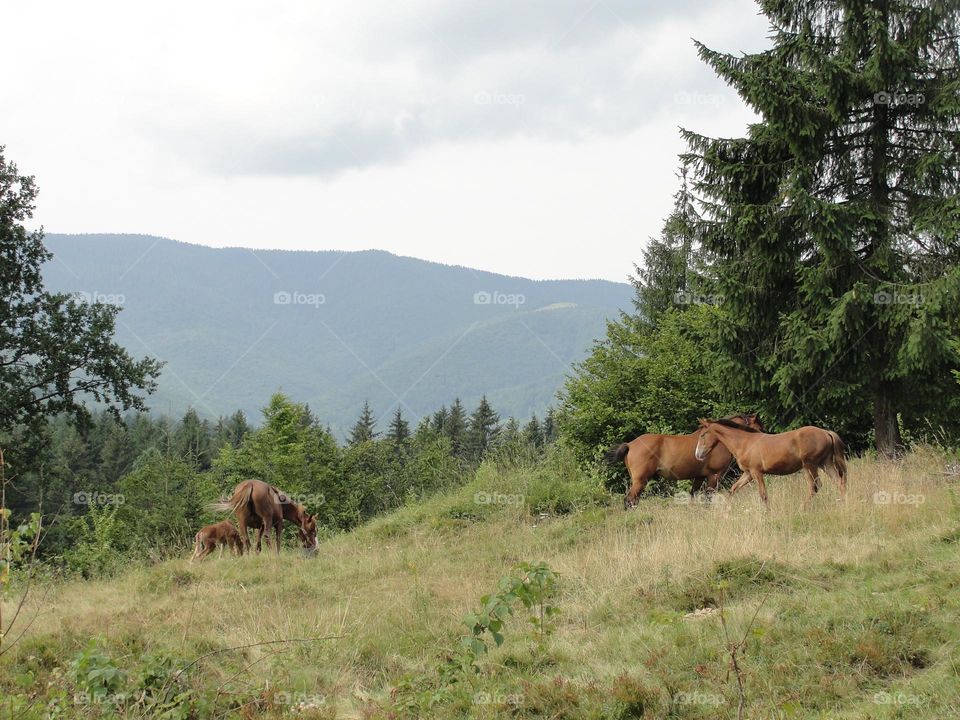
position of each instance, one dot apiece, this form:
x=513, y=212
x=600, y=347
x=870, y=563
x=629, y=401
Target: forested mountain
x=333, y=328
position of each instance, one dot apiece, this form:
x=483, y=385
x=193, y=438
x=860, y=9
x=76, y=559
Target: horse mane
x=728, y=422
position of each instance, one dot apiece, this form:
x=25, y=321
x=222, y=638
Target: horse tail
x=240, y=497
x=617, y=453
x=839, y=458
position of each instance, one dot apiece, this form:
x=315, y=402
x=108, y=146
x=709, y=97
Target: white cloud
x=534, y=138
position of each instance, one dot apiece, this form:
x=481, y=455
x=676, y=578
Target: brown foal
x=216, y=536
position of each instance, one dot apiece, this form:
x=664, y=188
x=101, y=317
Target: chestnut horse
x=671, y=456
x=216, y=535
x=809, y=447
x=262, y=506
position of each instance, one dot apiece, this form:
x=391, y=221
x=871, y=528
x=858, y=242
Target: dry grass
x=396, y=590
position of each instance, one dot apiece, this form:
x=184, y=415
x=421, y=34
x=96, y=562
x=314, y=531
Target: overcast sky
x=529, y=137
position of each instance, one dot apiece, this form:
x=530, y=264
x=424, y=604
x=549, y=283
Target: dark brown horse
x=809, y=447
x=671, y=457
x=262, y=506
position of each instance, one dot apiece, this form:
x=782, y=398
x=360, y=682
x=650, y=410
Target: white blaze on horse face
x=701, y=451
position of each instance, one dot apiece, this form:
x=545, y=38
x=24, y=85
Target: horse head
x=707, y=440
x=308, y=531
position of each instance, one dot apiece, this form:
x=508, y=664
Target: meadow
x=677, y=609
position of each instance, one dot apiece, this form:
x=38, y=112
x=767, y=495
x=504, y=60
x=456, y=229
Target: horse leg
x=761, y=487
x=207, y=549
x=641, y=470
x=197, y=546
x=839, y=477
x=277, y=530
x=696, y=485
x=713, y=482
x=220, y=551
x=744, y=480
x=637, y=487
x=813, y=481
x=244, y=532
x=260, y=537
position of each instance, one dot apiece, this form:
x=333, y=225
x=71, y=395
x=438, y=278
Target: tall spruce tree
x=549, y=426
x=399, y=431
x=668, y=274
x=834, y=224
x=482, y=429
x=455, y=428
x=439, y=420
x=364, y=429
x=192, y=442
x=533, y=432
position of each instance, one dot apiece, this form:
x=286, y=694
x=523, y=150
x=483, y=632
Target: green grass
x=848, y=610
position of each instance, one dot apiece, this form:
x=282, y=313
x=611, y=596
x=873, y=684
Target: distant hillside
x=334, y=328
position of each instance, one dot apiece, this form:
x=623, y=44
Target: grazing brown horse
x=810, y=448
x=262, y=506
x=671, y=456
x=216, y=535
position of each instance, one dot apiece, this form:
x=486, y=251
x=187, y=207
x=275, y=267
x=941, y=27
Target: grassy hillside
x=845, y=610
x=358, y=325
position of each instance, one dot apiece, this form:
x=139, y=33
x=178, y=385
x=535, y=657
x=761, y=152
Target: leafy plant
x=534, y=587
x=97, y=677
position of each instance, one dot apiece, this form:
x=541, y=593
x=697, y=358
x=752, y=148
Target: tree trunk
x=886, y=429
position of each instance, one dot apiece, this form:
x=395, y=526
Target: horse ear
x=703, y=422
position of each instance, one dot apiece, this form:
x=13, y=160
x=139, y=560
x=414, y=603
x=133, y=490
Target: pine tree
x=834, y=223
x=399, y=431
x=549, y=427
x=439, y=420
x=455, y=428
x=230, y=431
x=236, y=427
x=364, y=430
x=509, y=433
x=192, y=442
x=117, y=452
x=533, y=433
x=668, y=275
x=482, y=429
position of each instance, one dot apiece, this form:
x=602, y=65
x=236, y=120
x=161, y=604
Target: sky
x=527, y=137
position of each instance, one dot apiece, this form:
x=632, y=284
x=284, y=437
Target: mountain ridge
x=333, y=328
